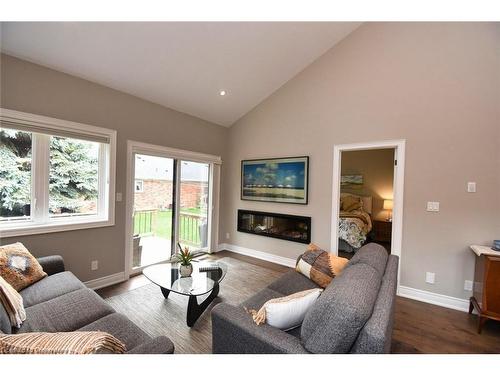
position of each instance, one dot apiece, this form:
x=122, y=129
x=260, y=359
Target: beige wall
x=377, y=169
x=435, y=85
x=32, y=88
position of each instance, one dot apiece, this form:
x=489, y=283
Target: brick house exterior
x=157, y=194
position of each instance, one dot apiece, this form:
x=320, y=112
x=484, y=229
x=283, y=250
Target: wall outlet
x=119, y=197
x=468, y=285
x=433, y=206
x=227, y=236
x=430, y=277
x=471, y=187
x=94, y=265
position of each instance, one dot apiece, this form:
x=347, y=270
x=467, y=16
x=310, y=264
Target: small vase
x=186, y=271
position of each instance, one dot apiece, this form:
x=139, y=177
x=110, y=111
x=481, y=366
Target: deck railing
x=143, y=222
x=192, y=226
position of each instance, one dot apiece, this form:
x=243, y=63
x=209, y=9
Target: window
x=56, y=175
x=139, y=186
x=15, y=175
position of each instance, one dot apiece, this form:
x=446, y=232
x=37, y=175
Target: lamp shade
x=388, y=204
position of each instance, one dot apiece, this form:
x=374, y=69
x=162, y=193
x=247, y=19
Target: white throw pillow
x=287, y=312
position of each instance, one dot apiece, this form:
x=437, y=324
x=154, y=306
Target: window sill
x=31, y=229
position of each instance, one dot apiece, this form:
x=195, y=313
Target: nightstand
x=382, y=231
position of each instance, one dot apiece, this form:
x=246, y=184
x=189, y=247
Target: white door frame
x=168, y=152
x=398, y=187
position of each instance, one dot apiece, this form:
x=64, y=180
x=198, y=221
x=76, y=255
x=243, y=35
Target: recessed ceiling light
x=222, y=92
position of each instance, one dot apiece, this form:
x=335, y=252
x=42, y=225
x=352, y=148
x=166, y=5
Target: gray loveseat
x=60, y=302
x=354, y=314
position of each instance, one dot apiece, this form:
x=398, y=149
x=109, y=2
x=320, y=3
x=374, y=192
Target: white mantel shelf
x=484, y=250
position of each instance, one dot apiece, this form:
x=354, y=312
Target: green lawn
x=159, y=223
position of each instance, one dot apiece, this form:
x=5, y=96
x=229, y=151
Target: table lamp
x=388, y=204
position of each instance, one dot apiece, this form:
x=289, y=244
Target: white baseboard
x=434, y=298
x=403, y=291
x=288, y=262
x=106, y=281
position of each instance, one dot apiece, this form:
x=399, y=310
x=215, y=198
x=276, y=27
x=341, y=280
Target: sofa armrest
x=234, y=331
x=52, y=264
x=158, y=345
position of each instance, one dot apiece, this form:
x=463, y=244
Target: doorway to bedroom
x=367, y=196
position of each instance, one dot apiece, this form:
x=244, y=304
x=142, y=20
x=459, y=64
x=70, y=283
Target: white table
x=484, y=250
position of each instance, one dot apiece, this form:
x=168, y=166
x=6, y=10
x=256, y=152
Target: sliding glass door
x=171, y=207
x=153, y=222
x=194, y=204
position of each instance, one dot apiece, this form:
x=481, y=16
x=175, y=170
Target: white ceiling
x=179, y=65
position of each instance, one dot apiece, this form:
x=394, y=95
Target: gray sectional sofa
x=61, y=302
x=354, y=314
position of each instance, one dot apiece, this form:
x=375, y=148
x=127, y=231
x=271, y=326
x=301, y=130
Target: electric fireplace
x=285, y=227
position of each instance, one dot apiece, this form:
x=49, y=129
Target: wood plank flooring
x=419, y=327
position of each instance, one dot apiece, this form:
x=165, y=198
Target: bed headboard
x=367, y=201
x=367, y=204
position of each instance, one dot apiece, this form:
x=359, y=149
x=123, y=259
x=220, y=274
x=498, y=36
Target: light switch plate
x=430, y=277
x=471, y=187
x=118, y=197
x=468, y=285
x=433, y=206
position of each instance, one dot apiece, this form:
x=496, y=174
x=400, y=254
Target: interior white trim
x=397, y=212
x=288, y=262
x=104, y=281
x=434, y=298
x=168, y=152
x=174, y=153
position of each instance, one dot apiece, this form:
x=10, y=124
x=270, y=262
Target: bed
x=354, y=224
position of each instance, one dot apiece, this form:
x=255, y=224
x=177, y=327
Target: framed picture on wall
x=282, y=180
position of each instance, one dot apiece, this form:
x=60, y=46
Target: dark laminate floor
x=419, y=327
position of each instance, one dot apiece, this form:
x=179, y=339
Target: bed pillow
x=18, y=267
x=319, y=265
x=12, y=302
x=287, y=312
x=78, y=342
x=351, y=202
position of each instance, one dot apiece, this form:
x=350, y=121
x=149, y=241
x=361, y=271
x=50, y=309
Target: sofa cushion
x=292, y=282
x=51, y=287
x=120, y=327
x=376, y=335
x=68, y=312
x=257, y=300
x=372, y=254
x=334, y=322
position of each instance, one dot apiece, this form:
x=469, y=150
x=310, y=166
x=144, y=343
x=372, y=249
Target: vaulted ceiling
x=183, y=66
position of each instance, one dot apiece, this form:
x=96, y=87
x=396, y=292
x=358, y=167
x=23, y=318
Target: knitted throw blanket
x=61, y=343
x=12, y=302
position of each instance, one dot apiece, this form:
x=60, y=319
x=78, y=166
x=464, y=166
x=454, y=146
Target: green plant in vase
x=185, y=257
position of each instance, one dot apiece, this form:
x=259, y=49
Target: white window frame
x=141, y=190
x=40, y=221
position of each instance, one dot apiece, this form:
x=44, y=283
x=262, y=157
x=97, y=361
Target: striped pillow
x=90, y=342
x=319, y=265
